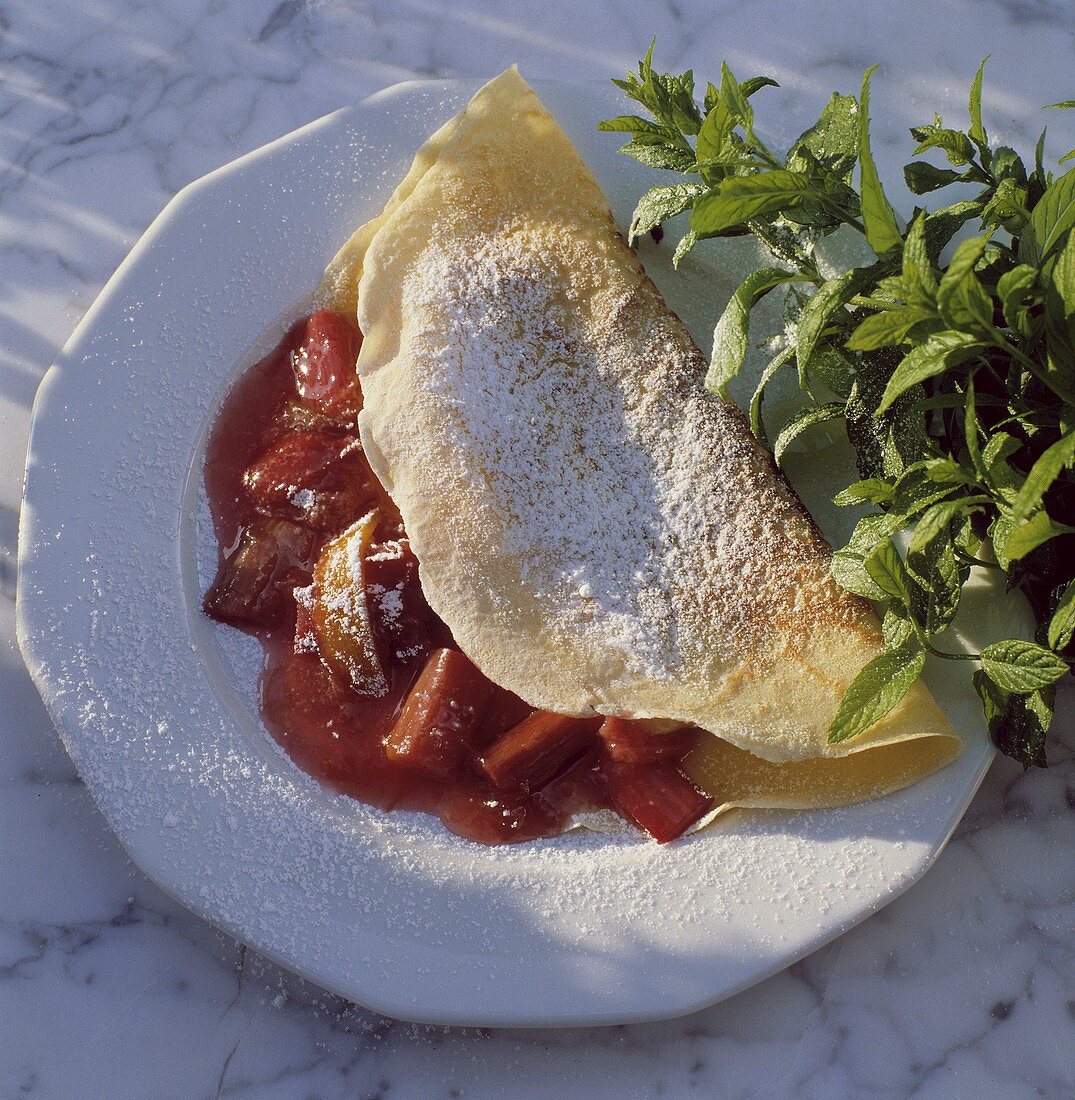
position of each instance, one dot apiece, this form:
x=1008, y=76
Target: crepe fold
x=599, y=532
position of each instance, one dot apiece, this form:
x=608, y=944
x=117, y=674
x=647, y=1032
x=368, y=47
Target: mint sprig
x=951, y=368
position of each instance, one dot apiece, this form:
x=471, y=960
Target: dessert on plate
x=510, y=562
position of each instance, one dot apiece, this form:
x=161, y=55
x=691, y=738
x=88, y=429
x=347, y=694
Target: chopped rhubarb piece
x=432, y=732
x=319, y=478
x=537, y=750
x=633, y=742
x=324, y=365
x=401, y=617
x=254, y=582
x=503, y=711
x=340, y=612
x=656, y=797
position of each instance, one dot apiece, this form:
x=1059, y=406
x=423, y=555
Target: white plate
x=155, y=704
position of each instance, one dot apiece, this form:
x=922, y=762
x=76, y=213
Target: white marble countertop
x=965, y=986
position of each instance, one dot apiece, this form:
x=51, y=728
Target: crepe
x=599, y=533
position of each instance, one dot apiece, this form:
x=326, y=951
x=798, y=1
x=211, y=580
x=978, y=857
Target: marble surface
x=965, y=986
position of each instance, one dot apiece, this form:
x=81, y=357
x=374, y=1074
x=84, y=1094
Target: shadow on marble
x=9, y=550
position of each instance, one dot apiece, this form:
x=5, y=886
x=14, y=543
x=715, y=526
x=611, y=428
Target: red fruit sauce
x=285, y=475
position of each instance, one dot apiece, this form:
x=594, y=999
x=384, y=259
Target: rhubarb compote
x=362, y=684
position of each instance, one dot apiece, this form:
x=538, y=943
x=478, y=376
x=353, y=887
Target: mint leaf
x=713, y=137
x=712, y=97
x=686, y=243
x=739, y=199
x=679, y=94
x=1000, y=476
x=939, y=352
x=1062, y=275
x=882, y=232
x=922, y=177
x=832, y=366
x=754, y=84
x=919, y=282
x=918, y=487
x=659, y=204
x=881, y=330
x=886, y=444
x=896, y=626
x=886, y=569
x=1042, y=474
x=848, y=570
x=1017, y=723
x=1022, y=667
x=633, y=124
x=935, y=521
x=938, y=580
x=955, y=145
x=832, y=140
x=875, y=691
x=830, y=298
x=962, y=302
x=668, y=157
x=1015, y=289
x=848, y=566
x=803, y=419
x=733, y=95
x=1062, y=623
x=1007, y=208
x=1060, y=296
x=1030, y=534
x=942, y=225
x=872, y=490
x=1000, y=531
x=947, y=471
x=757, y=425
x=977, y=129
x=1050, y=221
x=730, y=337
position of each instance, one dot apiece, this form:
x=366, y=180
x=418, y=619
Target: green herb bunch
x=954, y=378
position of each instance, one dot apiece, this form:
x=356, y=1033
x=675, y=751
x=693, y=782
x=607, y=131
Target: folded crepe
x=599, y=533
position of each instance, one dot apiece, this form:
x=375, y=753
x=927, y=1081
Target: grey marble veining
x=965, y=986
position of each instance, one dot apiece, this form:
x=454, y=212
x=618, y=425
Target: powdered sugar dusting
x=618, y=484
